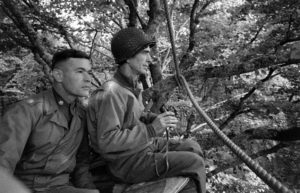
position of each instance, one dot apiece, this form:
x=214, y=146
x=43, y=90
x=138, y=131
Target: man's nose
x=149, y=58
x=87, y=76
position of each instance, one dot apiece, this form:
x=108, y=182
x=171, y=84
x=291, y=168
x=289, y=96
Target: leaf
x=295, y=52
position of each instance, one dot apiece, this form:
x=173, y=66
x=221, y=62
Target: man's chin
x=84, y=94
x=144, y=72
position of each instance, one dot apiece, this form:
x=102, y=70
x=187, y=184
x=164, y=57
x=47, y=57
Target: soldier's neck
x=126, y=71
x=63, y=93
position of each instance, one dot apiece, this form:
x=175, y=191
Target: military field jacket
x=115, y=125
x=36, y=142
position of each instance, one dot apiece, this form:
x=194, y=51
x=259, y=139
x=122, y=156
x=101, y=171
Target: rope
x=166, y=156
x=166, y=148
x=255, y=167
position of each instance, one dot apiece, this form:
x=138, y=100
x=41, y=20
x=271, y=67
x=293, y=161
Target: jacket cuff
x=151, y=130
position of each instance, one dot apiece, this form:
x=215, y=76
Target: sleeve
x=116, y=134
x=15, y=128
x=148, y=117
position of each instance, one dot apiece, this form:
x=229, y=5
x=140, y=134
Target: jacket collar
x=59, y=100
x=127, y=83
x=50, y=104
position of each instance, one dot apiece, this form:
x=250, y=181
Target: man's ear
x=128, y=60
x=57, y=74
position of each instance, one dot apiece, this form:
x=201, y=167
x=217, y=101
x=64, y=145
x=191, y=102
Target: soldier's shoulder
x=35, y=99
x=106, y=88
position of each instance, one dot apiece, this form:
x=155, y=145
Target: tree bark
x=6, y=76
x=290, y=134
x=13, y=11
x=169, y=83
x=155, y=19
x=133, y=14
x=226, y=166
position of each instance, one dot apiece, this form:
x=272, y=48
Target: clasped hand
x=163, y=121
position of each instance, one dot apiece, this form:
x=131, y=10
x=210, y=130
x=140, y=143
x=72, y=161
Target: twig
x=244, y=98
x=93, y=44
x=253, y=156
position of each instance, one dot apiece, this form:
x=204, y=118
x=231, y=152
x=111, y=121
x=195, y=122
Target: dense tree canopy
x=240, y=57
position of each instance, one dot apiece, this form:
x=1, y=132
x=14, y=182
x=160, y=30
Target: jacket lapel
x=51, y=108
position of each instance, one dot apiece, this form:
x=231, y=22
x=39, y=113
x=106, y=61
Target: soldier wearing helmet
x=128, y=138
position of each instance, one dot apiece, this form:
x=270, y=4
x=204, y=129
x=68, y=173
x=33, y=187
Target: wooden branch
x=93, y=44
x=14, y=35
x=96, y=80
x=82, y=43
x=172, y=7
x=6, y=76
x=288, y=32
x=253, y=156
x=156, y=16
x=104, y=54
x=192, y=26
x=133, y=13
x=243, y=99
x=155, y=20
x=9, y=15
x=28, y=30
x=169, y=83
x=27, y=3
x=290, y=134
x=187, y=59
x=190, y=121
x=255, y=36
x=289, y=40
x=54, y=21
x=165, y=61
x=46, y=67
x=251, y=65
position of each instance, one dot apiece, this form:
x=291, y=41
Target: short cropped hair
x=66, y=54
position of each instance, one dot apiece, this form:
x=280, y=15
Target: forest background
x=240, y=57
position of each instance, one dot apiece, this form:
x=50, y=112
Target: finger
x=172, y=125
x=174, y=122
x=168, y=113
x=171, y=120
